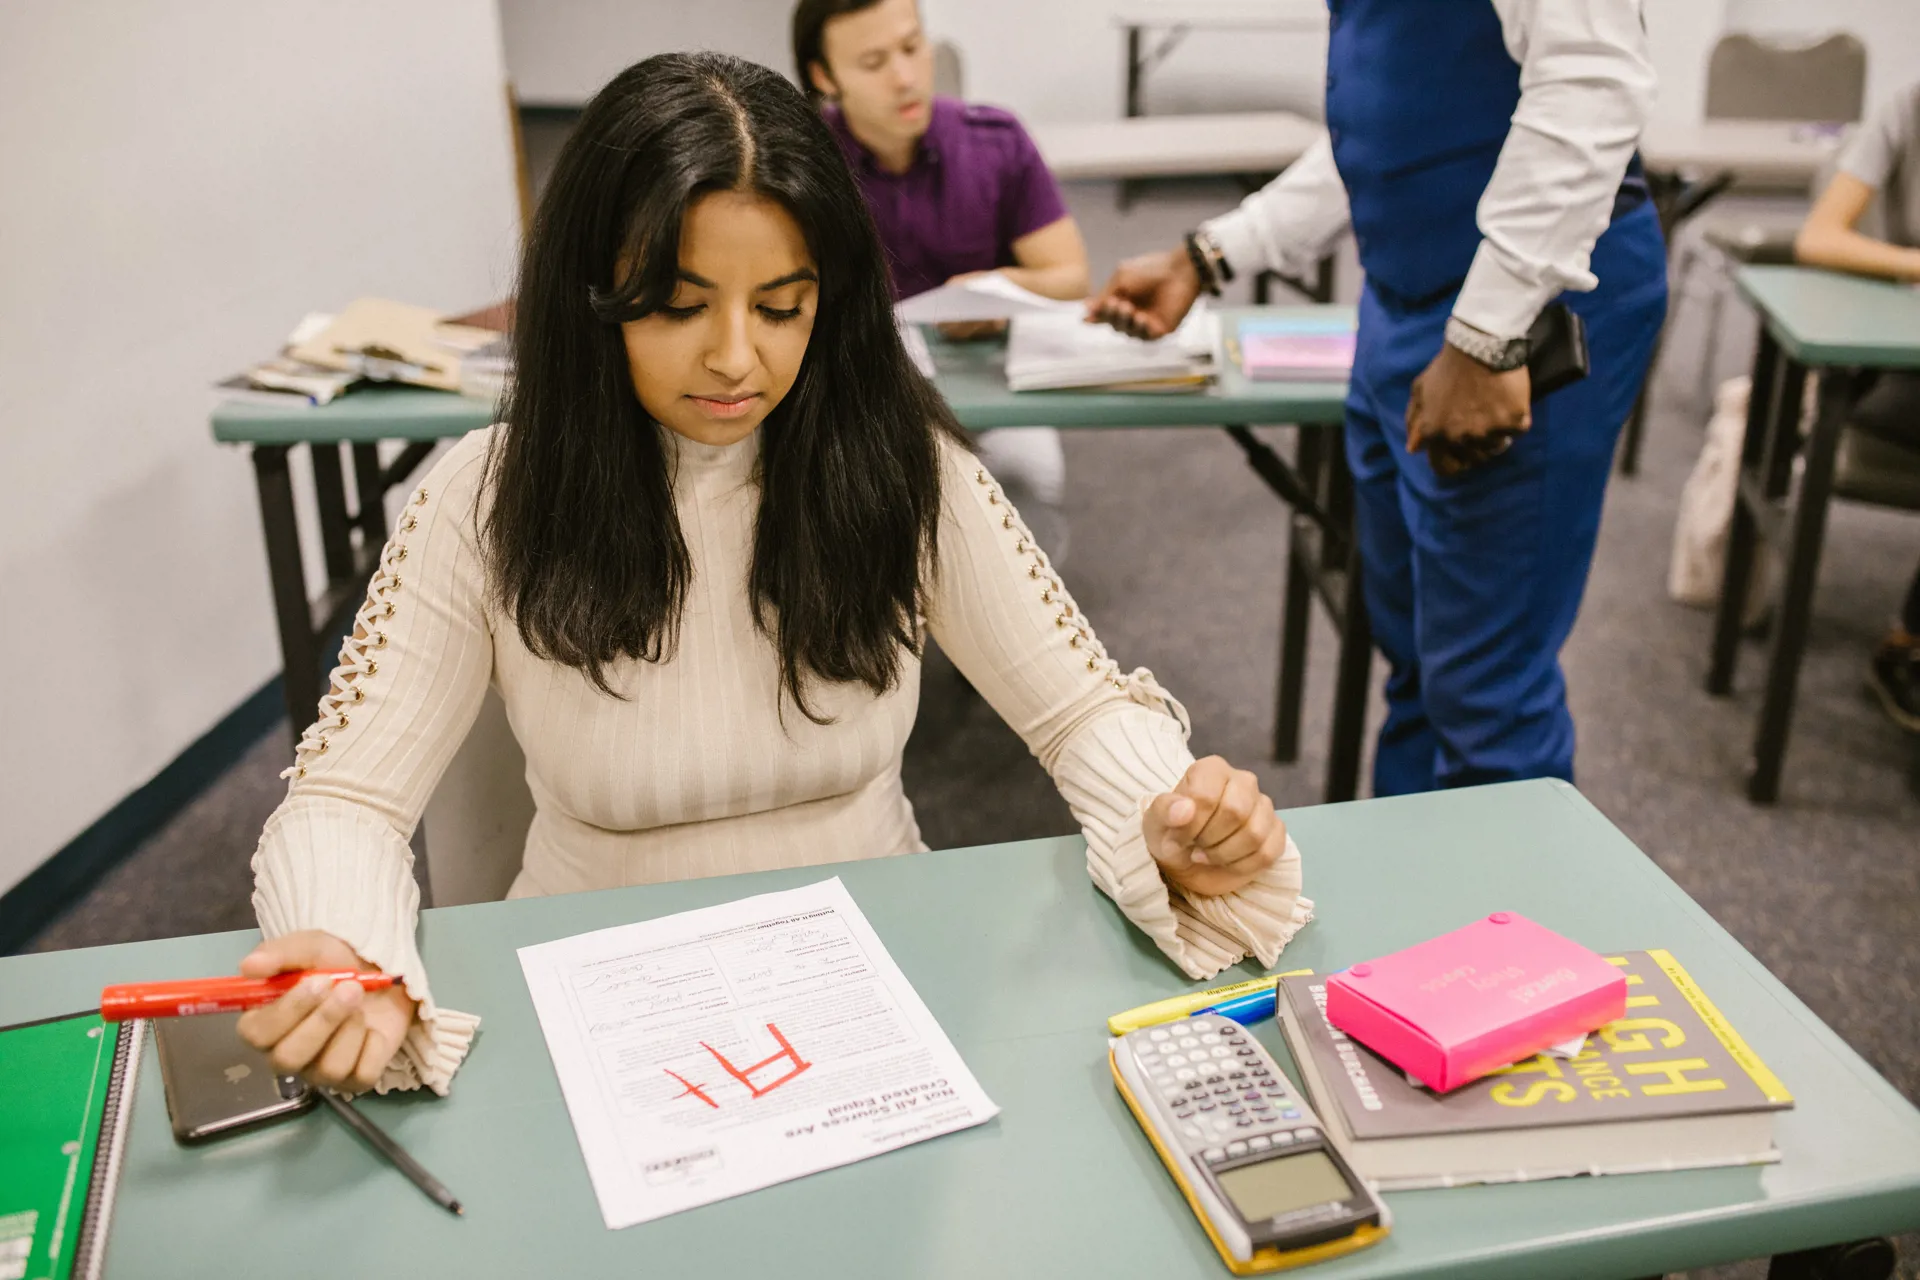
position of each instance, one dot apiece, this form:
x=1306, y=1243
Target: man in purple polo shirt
x=954, y=189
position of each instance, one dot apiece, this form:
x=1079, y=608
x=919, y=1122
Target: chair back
x=1750, y=78
x=476, y=824
x=949, y=77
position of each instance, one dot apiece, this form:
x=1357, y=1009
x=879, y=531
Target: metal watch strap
x=1499, y=354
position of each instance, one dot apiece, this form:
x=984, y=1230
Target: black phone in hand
x=217, y=1083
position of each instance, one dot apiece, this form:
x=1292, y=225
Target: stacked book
x=286, y=382
x=377, y=340
x=1671, y=1085
x=1300, y=348
x=1055, y=351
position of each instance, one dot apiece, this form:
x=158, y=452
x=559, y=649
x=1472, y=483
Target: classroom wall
x=1059, y=60
x=178, y=184
x=1063, y=60
x=561, y=51
x=1066, y=64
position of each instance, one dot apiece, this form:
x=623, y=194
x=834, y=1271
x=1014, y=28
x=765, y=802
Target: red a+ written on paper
x=787, y=1054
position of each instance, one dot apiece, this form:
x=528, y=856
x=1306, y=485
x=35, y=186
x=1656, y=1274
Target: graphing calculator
x=1244, y=1147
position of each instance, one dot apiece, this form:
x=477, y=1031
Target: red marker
x=218, y=995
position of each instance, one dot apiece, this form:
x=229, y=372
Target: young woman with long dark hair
x=697, y=558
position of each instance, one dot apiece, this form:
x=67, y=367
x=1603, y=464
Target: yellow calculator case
x=1262, y=1259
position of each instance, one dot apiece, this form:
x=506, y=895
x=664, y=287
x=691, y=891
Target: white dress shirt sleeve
x=1291, y=222
x=1586, y=83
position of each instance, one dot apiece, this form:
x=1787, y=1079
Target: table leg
x=1319, y=289
x=1674, y=201
x=1743, y=535
x=370, y=492
x=1135, y=70
x=336, y=527
x=1635, y=430
x=1356, y=636
x=1136, y=75
x=1296, y=610
x=1872, y=1259
x=1350, y=687
x=1803, y=565
x=299, y=655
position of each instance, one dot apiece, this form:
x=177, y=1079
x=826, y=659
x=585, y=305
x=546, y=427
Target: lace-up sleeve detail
x=1112, y=740
x=335, y=856
x=359, y=660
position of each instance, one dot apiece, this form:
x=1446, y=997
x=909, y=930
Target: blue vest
x=1420, y=96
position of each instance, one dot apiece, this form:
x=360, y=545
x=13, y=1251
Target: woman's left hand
x=1215, y=831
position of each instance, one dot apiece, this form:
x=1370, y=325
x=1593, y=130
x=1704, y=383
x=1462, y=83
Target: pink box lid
x=1464, y=1003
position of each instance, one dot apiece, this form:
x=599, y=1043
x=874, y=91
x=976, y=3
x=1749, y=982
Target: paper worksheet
x=719, y=1051
x=987, y=296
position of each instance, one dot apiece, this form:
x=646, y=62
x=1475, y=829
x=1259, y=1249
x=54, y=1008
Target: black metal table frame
x=1676, y=199
x=308, y=626
x=1761, y=510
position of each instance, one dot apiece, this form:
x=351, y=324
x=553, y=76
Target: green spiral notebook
x=67, y=1091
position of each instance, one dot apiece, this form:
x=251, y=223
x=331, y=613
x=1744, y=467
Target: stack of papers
x=375, y=340
x=284, y=382
x=720, y=1051
x=983, y=297
x=1058, y=351
x=1306, y=348
x=395, y=342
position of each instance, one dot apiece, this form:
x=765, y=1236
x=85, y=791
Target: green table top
x=1826, y=318
x=1021, y=960
x=971, y=375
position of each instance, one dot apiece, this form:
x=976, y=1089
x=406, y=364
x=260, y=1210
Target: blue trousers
x=1472, y=583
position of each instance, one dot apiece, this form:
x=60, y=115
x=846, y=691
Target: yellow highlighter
x=1193, y=1002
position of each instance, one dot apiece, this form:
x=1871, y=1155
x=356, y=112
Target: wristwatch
x=1209, y=263
x=1499, y=354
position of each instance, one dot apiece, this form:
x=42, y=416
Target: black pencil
x=392, y=1150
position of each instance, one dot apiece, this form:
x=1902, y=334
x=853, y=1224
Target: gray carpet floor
x=1824, y=887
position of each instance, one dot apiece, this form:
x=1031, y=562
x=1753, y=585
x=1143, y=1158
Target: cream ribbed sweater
x=696, y=772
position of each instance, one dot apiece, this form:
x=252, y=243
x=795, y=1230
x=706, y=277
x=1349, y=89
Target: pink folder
x=1296, y=357
x=1451, y=1009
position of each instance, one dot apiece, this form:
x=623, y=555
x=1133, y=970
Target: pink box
x=1453, y=1008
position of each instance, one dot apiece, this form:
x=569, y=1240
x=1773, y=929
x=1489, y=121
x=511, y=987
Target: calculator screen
x=1284, y=1184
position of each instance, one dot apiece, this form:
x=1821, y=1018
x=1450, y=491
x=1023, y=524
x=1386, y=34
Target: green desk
x=1809, y=320
x=1020, y=959
x=1322, y=559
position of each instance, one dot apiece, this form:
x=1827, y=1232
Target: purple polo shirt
x=976, y=185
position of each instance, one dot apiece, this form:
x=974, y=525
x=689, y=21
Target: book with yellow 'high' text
x=1669, y=1086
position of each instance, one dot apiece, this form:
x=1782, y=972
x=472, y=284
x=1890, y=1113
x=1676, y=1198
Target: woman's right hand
x=341, y=1038
x=1148, y=296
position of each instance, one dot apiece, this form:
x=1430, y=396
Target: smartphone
x=216, y=1082
x=1556, y=350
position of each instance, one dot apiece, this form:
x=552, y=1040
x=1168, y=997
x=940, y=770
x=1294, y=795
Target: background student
x=954, y=189
x=1881, y=166
x=696, y=558
x=1484, y=156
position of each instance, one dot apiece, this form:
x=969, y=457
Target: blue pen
x=1248, y=1009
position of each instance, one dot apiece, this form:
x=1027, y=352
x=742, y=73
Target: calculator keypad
x=1219, y=1087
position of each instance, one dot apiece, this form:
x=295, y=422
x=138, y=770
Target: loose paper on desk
x=720, y=1051
x=989, y=296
